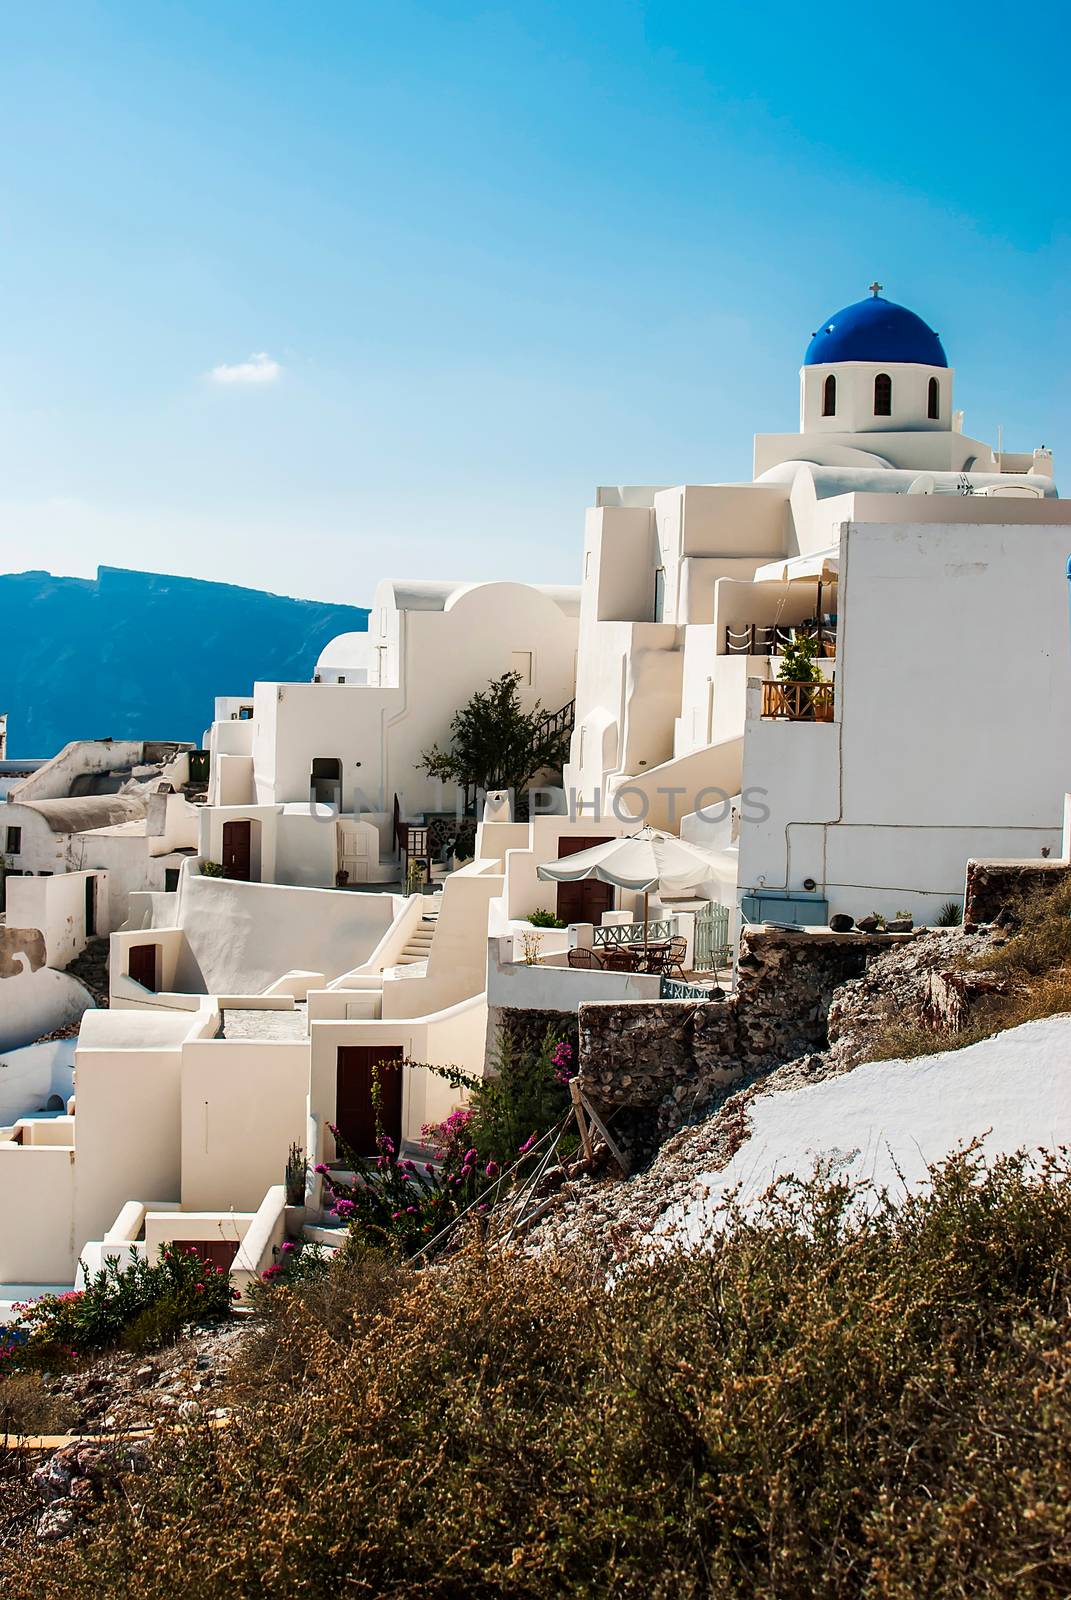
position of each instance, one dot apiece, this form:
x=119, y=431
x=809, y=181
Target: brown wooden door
x=237, y=850
x=216, y=1252
x=141, y=965
x=354, y=1112
x=587, y=900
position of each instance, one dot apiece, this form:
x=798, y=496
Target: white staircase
x=418, y=948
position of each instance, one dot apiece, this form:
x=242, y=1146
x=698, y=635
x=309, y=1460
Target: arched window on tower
x=829, y=397
x=883, y=395
x=933, y=409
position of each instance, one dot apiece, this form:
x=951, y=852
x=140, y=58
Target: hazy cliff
x=142, y=655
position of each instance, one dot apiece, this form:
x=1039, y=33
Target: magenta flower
x=321, y=1169
x=491, y=1169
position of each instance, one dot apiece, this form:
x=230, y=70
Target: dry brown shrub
x=832, y=1403
x=27, y=1407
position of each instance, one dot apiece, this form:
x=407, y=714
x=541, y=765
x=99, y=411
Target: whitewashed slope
x=1015, y=1089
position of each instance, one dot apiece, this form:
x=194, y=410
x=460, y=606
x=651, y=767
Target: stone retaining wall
x=668, y=1058
x=991, y=885
x=523, y=1029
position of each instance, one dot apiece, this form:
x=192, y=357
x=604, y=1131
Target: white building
x=309, y=779
x=110, y=805
x=935, y=566
x=247, y=1009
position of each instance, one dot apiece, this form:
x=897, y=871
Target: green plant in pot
x=799, y=665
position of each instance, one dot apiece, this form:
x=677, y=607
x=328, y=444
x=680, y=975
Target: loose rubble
x=118, y=1396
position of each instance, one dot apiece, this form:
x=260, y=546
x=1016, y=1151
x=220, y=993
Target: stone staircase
x=418, y=948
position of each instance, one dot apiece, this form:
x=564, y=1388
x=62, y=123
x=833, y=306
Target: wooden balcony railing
x=798, y=702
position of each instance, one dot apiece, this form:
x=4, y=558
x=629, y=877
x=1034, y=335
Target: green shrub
x=798, y=660
x=546, y=919
x=142, y=1305
x=833, y=1402
x=949, y=916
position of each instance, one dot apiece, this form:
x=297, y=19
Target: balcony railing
x=768, y=639
x=616, y=933
x=798, y=702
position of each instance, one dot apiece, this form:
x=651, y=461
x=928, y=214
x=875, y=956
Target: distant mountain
x=142, y=655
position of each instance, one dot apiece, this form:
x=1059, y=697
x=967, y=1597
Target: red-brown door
x=355, y=1114
x=587, y=900
x=216, y=1252
x=237, y=850
x=141, y=965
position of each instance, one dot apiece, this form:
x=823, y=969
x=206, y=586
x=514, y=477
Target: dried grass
x=1035, y=967
x=830, y=1404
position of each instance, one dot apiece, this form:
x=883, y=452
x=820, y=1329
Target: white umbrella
x=641, y=862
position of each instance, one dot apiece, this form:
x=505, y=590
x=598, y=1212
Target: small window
x=522, y=666
x=14, y=841
x=829, y=397
x=171, y=878
x=883, y=395
x=933, y=409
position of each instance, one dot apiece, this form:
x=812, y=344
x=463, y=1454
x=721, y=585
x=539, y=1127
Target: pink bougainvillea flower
x=491, y=1169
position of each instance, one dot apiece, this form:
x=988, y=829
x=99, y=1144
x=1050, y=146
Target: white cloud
x=260, y=368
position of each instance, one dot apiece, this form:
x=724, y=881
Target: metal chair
x=675, y=954
x=586, y=960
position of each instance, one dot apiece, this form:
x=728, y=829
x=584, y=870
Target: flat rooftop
x=241, y=1022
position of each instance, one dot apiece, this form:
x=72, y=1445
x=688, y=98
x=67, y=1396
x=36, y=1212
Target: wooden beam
x=581, y=1121
x=611, y=1145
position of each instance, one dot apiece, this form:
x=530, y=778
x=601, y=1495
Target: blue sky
x=482, y=258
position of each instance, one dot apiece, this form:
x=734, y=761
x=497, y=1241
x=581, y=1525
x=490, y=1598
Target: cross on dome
x=875, y=288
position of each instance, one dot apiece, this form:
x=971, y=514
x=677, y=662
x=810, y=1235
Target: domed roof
x=875, y=329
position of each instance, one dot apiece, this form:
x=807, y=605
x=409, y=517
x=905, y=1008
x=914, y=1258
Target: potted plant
x=798, y=666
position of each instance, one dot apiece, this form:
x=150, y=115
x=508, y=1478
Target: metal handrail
x=675, y=989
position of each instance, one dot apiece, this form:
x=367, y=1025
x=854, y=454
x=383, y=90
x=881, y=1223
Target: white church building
x=932, y=569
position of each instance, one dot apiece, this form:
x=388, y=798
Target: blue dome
x=875, y=330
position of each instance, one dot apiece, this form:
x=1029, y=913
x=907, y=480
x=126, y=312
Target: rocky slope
x=616, y=1218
